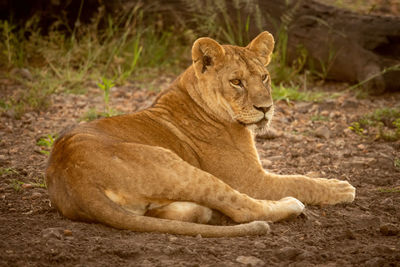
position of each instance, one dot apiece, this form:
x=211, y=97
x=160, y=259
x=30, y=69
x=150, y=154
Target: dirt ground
x=364, y=233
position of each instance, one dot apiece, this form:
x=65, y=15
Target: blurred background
x=59, y=46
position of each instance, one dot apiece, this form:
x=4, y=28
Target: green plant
x=46, y=143
x=385, y=122
x=389, y=190
x=396, y=163
x=319, y=117
x=39, y=182
x=8, y=171
x=63, y=61
x=106, y=87
x=16, y=185
x=356, y=127
x=293, y=93
x=92, y=113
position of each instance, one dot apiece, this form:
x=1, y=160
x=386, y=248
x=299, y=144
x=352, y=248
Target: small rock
x=323, y=132
x=303, y=107
x=199, y=236
x=358, y=162
x=361, y=146
x=349, y=103
x=324, y=113
x=23, y=73
x=389, y=229
x=26, y=186
x=288, y=253
x=36, y=195
x=327, y=105
x=350, y=234
x=275, y=158
x=259, y=245
x=266, y=162
x=313, y=174
x=52, y=233
x=375, y=262
x=147, y=263
x=319, y=145
x=67, y=232
x=250, y=260
x=172, y=238
x=294, y=138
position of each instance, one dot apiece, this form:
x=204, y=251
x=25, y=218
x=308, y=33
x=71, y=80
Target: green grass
x=133, y=44
x=396, y=163
x=65, y=61
x=16, y=185
x=39, y=182
x=292, y=93
x=384, y=123
x=319, y=117
x=46, y=143
x=389, y=190
x=108, y=111
x=8, y=171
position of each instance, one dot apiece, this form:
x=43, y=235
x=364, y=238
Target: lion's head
x=234, y=82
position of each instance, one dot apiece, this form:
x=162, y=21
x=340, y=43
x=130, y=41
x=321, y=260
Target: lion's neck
x=203, y=98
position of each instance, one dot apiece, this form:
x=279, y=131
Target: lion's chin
x=259, y=127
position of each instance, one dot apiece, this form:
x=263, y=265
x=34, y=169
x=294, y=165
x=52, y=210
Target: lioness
x=172, y=167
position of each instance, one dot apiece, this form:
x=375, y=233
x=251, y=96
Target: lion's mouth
x=260, y=124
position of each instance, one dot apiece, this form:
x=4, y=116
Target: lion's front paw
x=340, y=192
x=285, y=208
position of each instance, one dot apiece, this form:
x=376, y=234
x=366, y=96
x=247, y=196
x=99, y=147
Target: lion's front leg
x=306, y=189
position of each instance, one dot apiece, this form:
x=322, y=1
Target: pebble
x=266, y=162
x=375, y=262
x=389, y=229
x=35, y=195
x=67, y=232
x=313, y=174
x=349, y=103
x=22, y=72
x=288, y=253
x=26, y=186
x=52, y=233
x=250, y=261
x=294, y=138
x=275, y=158
x=323, y=132
x=358, y=162
x=172, y=238
x=361, y=146
x=259, y=245
x=303, y=107
x=350, y=234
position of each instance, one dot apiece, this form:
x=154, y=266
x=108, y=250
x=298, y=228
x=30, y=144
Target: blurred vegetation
x=381, y=124
x=136, y=44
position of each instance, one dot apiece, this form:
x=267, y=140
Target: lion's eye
x=264, y=78
x=236, y=82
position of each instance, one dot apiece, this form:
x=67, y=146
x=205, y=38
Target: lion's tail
x=110, y=213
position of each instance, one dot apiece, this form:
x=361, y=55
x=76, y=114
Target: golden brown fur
x=170, y=167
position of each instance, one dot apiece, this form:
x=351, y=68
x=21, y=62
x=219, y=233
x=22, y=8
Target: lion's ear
x=263, y=45
x=206, y=52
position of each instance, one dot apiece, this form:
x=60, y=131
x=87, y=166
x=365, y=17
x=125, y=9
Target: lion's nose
x=263, y=109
